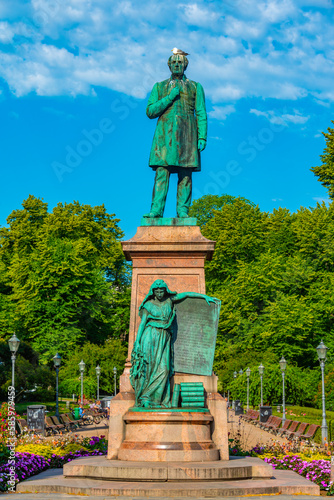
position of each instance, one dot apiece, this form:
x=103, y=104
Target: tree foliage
x=274, y=274
x=33, y=381
x=325, y=172
x=63, y=277
x=204, y=207
x=298, y=385
x=109, y=355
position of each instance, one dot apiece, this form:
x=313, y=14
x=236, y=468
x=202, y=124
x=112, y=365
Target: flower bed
x=31, y=459
x=317, y=471
x=309, y=461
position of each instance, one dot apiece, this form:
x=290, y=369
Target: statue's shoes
x=151, y=215
x=183, y=215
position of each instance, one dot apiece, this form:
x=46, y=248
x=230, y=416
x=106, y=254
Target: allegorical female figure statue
x=151, y=356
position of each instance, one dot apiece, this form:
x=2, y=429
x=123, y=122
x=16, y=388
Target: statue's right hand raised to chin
x=174, y=93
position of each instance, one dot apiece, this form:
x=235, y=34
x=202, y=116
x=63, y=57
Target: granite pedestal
x=168, y=436
x=177, y=255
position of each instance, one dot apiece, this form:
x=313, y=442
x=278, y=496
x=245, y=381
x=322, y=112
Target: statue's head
x=159, y=293
x=158, y=290
x=177, y=64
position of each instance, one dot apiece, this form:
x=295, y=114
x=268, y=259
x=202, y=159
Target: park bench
x=23, y=426
x=80, y=421
x=263, y=425
x=255, y=416
x=50, y=427
x=310, y=432
x=69, y=422
x=247, y=415
x=251, y=415
x=292, y=428
x=284, y=427
x=300, y=431
x=63, y=427
x=274, y=425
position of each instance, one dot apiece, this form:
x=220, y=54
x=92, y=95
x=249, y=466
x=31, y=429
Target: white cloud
x=198, y=16
x=221, y=112
x=6, y=32
x=238, y=49
x=320, y=199
x=282, y=118
x=277, y=11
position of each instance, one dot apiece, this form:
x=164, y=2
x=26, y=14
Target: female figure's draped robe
x=153, y=386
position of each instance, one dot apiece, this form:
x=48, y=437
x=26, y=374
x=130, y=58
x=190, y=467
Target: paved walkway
x=249, y=434
x=63, y=496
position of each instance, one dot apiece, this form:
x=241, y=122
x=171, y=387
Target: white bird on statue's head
x=179, y=52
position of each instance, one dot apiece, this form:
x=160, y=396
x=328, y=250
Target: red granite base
x=168, y=436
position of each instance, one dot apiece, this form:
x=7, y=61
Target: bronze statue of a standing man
x=180, y=135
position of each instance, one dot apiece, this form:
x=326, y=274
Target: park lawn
x=304, y=414
x=21, y=408
x=311, y=416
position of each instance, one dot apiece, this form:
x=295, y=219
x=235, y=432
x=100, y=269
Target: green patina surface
x=152, y=353
x=180, y=135
x=169, y=221
x=194, y=336
x=171, y=410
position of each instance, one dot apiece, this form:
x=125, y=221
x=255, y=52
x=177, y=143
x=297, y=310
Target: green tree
x=203, y=208
x=300, y=385
x=274, y=275
x=32, y=380
x=325, y=172
x=109, y=355
x=63, y=277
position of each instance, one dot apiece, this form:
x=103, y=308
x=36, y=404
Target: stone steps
x=117, y=470
x=169, y=480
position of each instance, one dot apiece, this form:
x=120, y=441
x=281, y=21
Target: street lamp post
x=98, y=372
x=82, y=369
x=261, y=370
x=240, y=373
x=248, y=372
x=282, y=364
x=14, y=343
x=115, y=379
x=322, y=350
x=56, y=362
x=235, y=374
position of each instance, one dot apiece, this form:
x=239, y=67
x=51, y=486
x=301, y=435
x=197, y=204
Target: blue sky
x=75, y=77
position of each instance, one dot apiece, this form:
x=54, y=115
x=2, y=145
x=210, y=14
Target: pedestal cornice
x=180, y=240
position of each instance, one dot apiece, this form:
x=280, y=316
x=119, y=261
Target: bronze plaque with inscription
x=194, y=336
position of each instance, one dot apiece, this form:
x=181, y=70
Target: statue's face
x=177, y=65
x=159, y=293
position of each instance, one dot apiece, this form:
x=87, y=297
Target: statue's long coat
x=180, y=124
